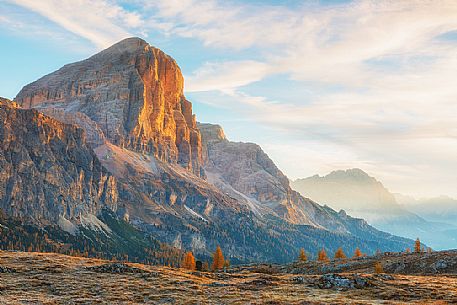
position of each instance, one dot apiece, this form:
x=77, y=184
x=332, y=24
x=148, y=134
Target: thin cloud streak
x=101, y=22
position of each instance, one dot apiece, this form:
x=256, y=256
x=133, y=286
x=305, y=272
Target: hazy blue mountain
x=363, y=196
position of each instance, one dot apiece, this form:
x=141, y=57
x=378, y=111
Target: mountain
x=173, y=181
x=56, y=196
x=440, y=209
x=245, y=172
x=352, y=190
x=49, y=171
x=131, y=92
x=363, y=196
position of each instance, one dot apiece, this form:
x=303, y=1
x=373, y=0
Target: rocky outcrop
x=133, y=93
x=48, y=174
x=7, y=102
x=246, y=172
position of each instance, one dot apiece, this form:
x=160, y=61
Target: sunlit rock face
x=132, y=93
x=7, y=102
x=47, y=171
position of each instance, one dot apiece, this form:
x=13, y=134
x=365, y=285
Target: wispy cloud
x=391, y=107
x=393, y=113
x=226, y=76
x=101, y=22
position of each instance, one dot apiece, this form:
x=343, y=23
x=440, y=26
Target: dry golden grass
x=47, y=278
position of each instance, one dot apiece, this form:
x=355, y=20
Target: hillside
x=52, y=278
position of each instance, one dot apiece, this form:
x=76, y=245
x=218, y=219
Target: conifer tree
x=189, y=261
x=378, y=268
x=417, y=246
x=218, y=259
x=302, y=256
x=339, y=254
x=322, y=256
x=205, y=266
x=357, y=252
x=226, y=264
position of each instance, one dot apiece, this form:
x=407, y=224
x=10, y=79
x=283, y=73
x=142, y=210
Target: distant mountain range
x=107, y=151
x=440, y=209
x=363, y=196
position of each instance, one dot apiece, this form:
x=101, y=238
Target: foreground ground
x=46, y=278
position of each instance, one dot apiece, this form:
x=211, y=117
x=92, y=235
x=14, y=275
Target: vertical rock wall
x=133, y=93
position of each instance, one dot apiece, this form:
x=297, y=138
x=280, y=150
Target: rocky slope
x=55, y=195
x=7, y=102
x=133, y=93
x=48, y=171
x=434, y=263
x=363, y=196
x=129, y=101
x=245, y=171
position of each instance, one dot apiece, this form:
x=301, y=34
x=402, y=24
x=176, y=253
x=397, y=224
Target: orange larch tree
x=189, y=261
x=378, y=268
x=205, y=266
x=302, y=256
x=322, y=256
x=357, y=252
x=417, y=246
x=339, y=254
x=218, y=259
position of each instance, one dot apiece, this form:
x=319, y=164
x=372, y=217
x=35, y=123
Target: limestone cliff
x=133, y=93
x=47, y=171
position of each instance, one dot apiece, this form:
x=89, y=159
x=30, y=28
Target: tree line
x=340, y=255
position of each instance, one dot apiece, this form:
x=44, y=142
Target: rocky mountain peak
x=130, y=94
x=131, y=45
x=211, y=132
x=350, y=174
x=352, y=189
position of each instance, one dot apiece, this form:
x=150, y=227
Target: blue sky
x=320, y=85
